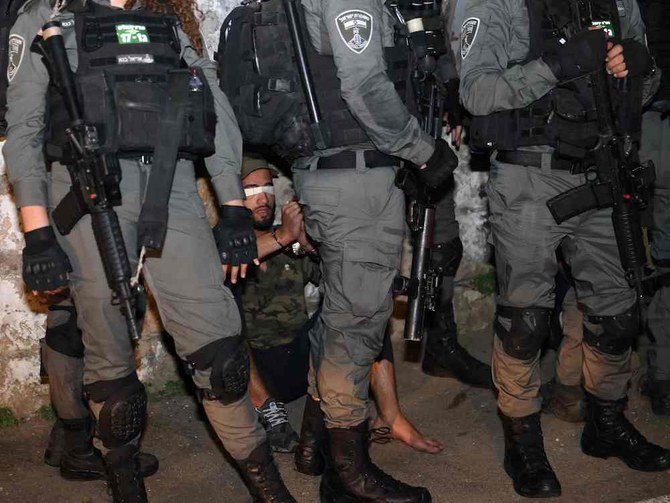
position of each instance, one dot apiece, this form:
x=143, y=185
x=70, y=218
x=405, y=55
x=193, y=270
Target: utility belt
x=347, y=159
x=539, y=160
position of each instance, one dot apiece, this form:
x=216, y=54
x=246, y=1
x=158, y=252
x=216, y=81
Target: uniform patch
x=132, y=34
x=134, y=59
x=355, y=28
x=468, y=34
x=16, y=47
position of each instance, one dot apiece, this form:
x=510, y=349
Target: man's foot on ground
x=405, y=432
x=274, y=418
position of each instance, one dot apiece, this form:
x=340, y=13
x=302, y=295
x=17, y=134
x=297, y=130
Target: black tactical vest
x=656, y=15
x=124, y=58
x=565, y=117
x=258, y=73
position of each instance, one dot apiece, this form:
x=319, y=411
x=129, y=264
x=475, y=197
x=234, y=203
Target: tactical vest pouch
x=124, y=59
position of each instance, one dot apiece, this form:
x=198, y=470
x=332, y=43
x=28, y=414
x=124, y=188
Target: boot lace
x=273, y=413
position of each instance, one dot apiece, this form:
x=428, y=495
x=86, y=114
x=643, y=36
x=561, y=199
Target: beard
x=264, y=224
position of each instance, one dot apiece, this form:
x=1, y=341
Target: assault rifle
x=617, y=179
x=423, y=285
x=95, y=182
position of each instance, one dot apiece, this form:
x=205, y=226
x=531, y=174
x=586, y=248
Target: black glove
x=45, y=264
x=452, y=104
x=582, y=54
x=235, y=237
x=637, y=58
x=440, y=166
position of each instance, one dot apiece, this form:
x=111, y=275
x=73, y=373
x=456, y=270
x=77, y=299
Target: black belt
x=347, y=160
x=534, y=159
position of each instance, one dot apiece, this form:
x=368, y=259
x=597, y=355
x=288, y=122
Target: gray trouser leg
x=66, y=388
x=658, y=319
x=526, y=237
x=357, y=217
x=185, y=277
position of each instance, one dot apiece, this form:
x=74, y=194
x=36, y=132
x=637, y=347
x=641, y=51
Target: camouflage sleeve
x=225, y=164
x=26, y=101
x=489, y=83
x=355, y=31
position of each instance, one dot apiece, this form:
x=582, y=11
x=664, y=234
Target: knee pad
x=446, y=257
x=63, y=335
x=123, y=415
x=613, y=335
x=228, y=361
x=529, y=328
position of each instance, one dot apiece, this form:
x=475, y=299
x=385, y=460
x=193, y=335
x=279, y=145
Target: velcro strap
x=347, y=160
x=281, y=85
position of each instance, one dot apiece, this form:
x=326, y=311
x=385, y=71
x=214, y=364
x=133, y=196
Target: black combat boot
x=445, y=357
x=350, y=475
x=70, y=448
x=262, y=477
x=525, y=460
x=123, y=475
x=563, y=401
x=309, y=453
x=608, y=433
x=659, y=395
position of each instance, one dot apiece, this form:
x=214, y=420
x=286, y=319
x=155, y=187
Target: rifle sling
x=152, y=224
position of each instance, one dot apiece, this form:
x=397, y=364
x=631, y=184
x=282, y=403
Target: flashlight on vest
x=419, y=42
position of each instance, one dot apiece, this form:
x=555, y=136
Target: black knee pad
x=446, y=257
x=228, y=360
x=65, y=338
x=616, y=334
x=123, y=415
x=530, y=327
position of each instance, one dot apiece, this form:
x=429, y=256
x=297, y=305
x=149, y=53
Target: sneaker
x=274, y=418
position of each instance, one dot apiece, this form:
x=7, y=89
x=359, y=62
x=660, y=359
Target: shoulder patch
x=355, y=29
x=16, y=47
x=468, y=34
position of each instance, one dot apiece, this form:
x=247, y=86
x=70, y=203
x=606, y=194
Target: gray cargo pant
x=525, y=237
x=357, y=218
x=655, y=146
x=195, y=306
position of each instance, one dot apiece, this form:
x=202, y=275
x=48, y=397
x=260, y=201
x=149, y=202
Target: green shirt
x=273, y=301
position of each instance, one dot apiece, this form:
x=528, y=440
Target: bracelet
x=274, y=235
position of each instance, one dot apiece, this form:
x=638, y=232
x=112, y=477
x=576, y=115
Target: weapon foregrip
x=630, y=243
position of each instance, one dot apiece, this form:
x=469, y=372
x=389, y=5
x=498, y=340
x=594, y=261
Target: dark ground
x=193, y=468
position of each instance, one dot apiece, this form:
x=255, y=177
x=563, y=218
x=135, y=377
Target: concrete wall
x=22, y=316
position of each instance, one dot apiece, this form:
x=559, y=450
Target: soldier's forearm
x=34, y=217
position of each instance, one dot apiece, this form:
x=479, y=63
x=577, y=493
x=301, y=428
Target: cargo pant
x=655, y=146
x=356, y=216
x=525, y=237
x=195, y=306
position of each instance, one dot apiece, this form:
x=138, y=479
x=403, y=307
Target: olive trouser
x=186, y=279
x=526, y=237
x=357, y=218
x=655, y=146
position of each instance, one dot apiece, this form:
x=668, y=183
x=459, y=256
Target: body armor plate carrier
x=258, y=73
x=564, y=118
x=124, y=58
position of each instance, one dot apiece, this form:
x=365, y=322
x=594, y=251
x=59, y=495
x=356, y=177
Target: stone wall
x=22, y=316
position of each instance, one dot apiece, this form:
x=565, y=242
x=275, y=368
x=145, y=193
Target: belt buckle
x=147, y=159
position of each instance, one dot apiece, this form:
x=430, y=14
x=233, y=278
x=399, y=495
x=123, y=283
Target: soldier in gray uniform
x=344, y=171
x=514, y=80
x=186, y=276
x=355, y=213
x=655, y=146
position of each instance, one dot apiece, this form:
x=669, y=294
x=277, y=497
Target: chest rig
x=125, y=63
x=259, y=74
x=565, y=117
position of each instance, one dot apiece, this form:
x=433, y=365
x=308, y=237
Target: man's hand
x=456, y=132
x=304, y=240
x=236, y=241
x=581, y=55
x=629, y=58
x=291, y=223
x=45, y=264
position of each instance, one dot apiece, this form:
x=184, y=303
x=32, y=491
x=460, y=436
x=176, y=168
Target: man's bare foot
x=403, y=430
